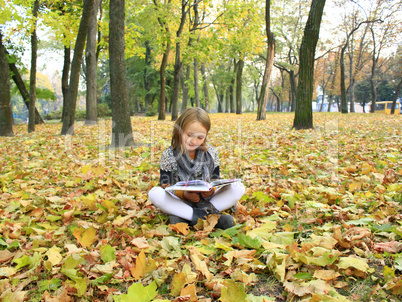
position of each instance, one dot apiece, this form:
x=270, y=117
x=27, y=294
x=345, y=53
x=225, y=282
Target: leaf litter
x=320, y=220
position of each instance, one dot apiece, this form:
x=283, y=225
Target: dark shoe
x=175, y=219
x=204, y=204
x=225, y=222
x=199, y=213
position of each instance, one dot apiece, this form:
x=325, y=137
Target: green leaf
x=108, y=253
x=138, y=293
x=303, y=276
x=283, y=238
x=101, y=279
x=247, y=241
x=21, y=262
x=233, y=291
x=49, y=285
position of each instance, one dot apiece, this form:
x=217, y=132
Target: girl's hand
x=208, y=193
x=191, y=196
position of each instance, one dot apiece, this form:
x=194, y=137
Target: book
x=200, y=185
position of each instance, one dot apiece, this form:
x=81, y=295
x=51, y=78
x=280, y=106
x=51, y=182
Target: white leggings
x=223, y=199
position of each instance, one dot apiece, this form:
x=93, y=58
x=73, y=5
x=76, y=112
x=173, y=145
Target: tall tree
x=167, y=44
x=205, y=87
x=178, y=63
x=68, y=119
x=263, y=97
x=32, y=77
x=6, y=115
x=122, y=133
x=91, y=68
x=304, y=111
x=388, y=12
x=344, y=103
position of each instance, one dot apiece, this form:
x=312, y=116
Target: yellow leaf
x=199, y=264
x=85, y=237
x=85, y=169
x=180, y=227
x=326, y=275
x=354, y=186
x=54, y=256
x=357, y=263
x=178, y=282
x=142, y=267
x=110, y=206
x=190, y=290
x=90, y=201
x=70, y=184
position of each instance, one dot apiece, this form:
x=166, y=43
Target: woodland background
x=321, y=217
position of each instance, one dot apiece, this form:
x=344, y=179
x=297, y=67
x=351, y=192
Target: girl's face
x=194, y=136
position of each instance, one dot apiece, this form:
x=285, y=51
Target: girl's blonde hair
x=188, y=117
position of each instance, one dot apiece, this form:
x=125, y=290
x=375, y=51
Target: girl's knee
x=238, y=189
x=156, y=194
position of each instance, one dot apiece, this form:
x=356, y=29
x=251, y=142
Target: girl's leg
x=170, y=204
x=228, y=196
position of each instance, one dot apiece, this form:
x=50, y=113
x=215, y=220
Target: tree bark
x=6, y=114
x=71, y=101
x=239, y=79
x=165, y=57
x=91, y=72
x=263, y=97
x=185, y=89
x=147, y=78
x=65, y=77
x=205, y=87
x=32, y=77
x=231, y=89
x=304, y=111
x=122, y=133
x=178, y=64
x=397, y=91
x=196, y=86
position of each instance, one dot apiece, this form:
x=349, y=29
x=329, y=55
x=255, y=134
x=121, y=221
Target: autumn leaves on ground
x=321, y=219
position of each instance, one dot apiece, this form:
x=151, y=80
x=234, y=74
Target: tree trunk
x=205, y=87
x=65, y=77
x=185, y=89
x=71, y=101
x=344, y=103
x=6, y=114
x=373, y=70
x=122, y=133
x=23, y=90
x=147, y=78
x=263, y=98
x=178, y=64
x=304, y=113
x=398, y=89
x=293, y=90
x=162, y=106
x=227, y=101
x=196, y=86
x=231, y=89
x=239, y=79
x=32, y=77
x=176, y=82
x=91, y=72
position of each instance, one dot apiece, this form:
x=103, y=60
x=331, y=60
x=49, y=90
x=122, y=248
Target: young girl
x=189, y=158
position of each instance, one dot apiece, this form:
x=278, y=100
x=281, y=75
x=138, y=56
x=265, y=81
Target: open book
x=200, y=185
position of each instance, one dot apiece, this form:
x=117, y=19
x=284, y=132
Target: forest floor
x=321, y=219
